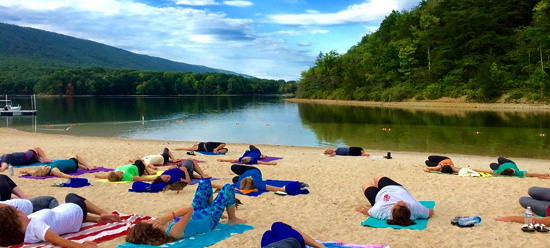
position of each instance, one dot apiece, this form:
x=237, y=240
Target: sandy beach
x=328, y=212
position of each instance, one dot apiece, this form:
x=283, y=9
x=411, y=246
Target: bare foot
x=224, y=216
x=108, y=218
x=236, y=221
x=92, y=167
x=206, y=176
x=363, y=210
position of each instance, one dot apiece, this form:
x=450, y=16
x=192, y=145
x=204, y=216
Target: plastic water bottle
x=10, y=169
x=528, y=216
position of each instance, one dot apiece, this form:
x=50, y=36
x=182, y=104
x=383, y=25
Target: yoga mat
x=159, y=172
x=275, y=183
x=77, y=173
x=180, y=162
x=29, y=165
x=420, y=224
x=269, y=159
x=210, y=153
x=221, y=232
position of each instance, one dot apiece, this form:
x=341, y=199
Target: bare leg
x=103, y=216
x=220, y=147
x=198, y=169
x=233, y=220
x=194, y=148
x=172, y=159
x=19, y=193
x=271, y=188
x=151, y=169
x=83, y=164
x=376, y=179
x=41, y=156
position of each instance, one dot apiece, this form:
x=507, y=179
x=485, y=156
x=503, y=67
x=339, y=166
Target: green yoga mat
x=420, y=224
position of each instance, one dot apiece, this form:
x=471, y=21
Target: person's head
x=447, y=169
x=144, y=233
x=11, y=221
x=245, y=160
x=42, y=171
x=329, y=151
x=115, y=176
x=247, y=184
x=401, y=215
x=508, y=172
x=177, y=186
x=162, y=179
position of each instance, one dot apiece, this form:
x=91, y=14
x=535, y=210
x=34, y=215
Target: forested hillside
x=29, y=56
x=478, y=49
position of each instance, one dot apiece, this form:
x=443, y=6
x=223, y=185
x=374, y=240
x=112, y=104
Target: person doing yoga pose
x=282, y=235
x=60, y=168
x=440, y=163
x=202, y=216
x=346, y=151
x=24, y=203
x=48, y=224
x=251, y=156
x=392, y=202
x=250, y=178
x=127, y=173
x=507, y=167
x=215, y=147
x=23, y=158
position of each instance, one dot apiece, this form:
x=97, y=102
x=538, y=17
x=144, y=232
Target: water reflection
x=514, y=134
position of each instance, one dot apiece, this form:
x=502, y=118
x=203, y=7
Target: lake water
x=270, y=120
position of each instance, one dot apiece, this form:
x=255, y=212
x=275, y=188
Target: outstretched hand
x=506, y=218
x=89, y=244
x=426, y=169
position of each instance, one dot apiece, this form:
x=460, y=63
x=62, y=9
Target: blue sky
x=274, y=39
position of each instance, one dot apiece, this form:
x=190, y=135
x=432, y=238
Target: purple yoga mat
x=269, y=159
x=78, y=172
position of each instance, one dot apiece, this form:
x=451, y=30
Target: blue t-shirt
x=342, y=151
x=256, y=175
x=199, y=223
x=254, y=156
x=176, y=174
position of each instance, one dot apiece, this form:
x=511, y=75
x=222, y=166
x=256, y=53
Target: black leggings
x=78, y=200
x=165, y=154
x=6, y=187
x=434, y=160
x=501, y=160
x=140, y=166
x=240, y=169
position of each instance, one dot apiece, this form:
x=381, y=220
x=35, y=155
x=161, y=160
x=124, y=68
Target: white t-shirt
x=65, y=218
x=388, y=196
x=22, y=204
x=153, y=159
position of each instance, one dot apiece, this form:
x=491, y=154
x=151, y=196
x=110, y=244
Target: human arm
x=521, y=219
x=142, y=179
x=178, y=229
x=435, y=168
x=55, y=239
x=100, y=176
x=56, y=172
x=19, y=193
x=364, y=210
x=4, y=166
x=187, y=179
x=228, y=160
x=539, y=175
x=267, y=163
x=485, y=171
x=217, y=149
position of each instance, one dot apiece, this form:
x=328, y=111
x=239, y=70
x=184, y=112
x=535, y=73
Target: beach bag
x=147, y=187
x=467, y=172
x=76, y=183
x=295, y=188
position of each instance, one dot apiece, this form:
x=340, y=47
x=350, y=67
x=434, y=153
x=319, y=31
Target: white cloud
x=239, y=4
x=374, y=10
x=179, y=33
x=303, y=43
x=320, y=31
x=196, y=2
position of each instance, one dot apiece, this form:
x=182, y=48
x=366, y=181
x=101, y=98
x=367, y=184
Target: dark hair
x=177, y=186
x=10, y=227
x=447, y=169
x=401, y=215
x=145, y=233
x=157, y=180
x=508, y=172
x=139, y=162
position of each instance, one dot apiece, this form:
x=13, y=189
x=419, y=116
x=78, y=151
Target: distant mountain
x=20, y=46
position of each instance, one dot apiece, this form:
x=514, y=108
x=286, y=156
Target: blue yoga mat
x=274, y=183
x=221, y=232
x=210, y=153
x=420, y=224
x=33, y=164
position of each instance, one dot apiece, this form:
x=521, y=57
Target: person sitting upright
x=251, y=156
x=440, y=163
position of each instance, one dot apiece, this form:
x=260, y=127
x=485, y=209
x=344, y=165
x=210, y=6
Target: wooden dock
x=17, y=113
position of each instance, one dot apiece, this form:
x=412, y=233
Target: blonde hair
x=247, y=184
x=41, y=172
x=113, y=177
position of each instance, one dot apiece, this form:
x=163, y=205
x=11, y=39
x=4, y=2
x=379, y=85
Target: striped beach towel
x=96, y=232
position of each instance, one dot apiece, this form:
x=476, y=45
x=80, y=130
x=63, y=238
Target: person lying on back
x=215, y=147
x=346, y=151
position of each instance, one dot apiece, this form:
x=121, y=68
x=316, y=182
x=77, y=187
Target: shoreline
x=443, y=103
x=328, y=212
